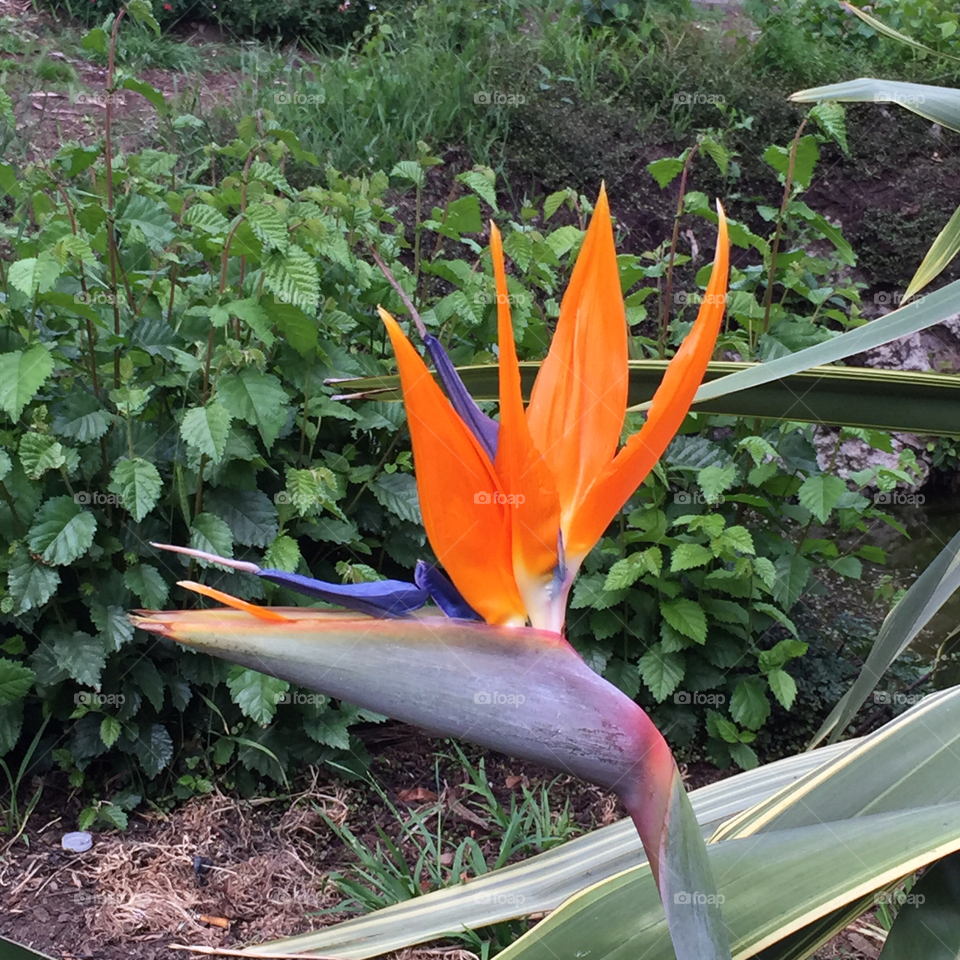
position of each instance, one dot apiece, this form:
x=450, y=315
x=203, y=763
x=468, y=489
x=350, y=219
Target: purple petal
x=382, y=598
x=391, y=598
x=484, y=428
x=443, y=593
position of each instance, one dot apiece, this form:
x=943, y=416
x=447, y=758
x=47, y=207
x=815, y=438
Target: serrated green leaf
x=207, y=218
x=137, y=482
x=40, y=452
x=22, y=373
x=62, y=531
x=142, y=216
x=714, y=480
x=257, y=398
x=687, y=556
x=212, y=535
x=749, y=705
x=665, y=170
x=154, y=749
x=283, y=554
x=207, y=428
x=686, y=617
x=268, y=226
x=832, y=118
x=553, y=203
x=81, y=656
x=398, y=493
x=783, y=687
x=148, y=679
x=30, y=582
x=661, y=672
x=409, y=170
x=35, y=274
x=735, y=538
x=292, y=277
x=11, y=723
x=114, y=625
x=256, y=694
x=251, y=516
x=254, y=314
x=110, y=730
x=148, y=584
x=819, y=494
x=15, y=681
x=484, y=187
x=148, y=92
x=81, y=417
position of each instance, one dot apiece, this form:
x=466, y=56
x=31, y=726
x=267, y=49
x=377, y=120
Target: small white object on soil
x=77, y=842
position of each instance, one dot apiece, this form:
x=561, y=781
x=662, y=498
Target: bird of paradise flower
x=511, y=509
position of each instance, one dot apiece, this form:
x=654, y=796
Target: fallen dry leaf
x=417, y=795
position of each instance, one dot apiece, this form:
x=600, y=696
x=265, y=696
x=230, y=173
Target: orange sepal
x=684, y=374
x=261, y=613
x=578, y=401
x=463, y=514
x=533, y=504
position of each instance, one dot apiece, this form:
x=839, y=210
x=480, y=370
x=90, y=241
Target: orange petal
x=463, y=508
x=261, y=613
x=578, y=402
x=615, y=485
x=533, y=505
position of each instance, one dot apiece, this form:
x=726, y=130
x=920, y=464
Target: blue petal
x=444, y=594
x=391, y=598
x=484, y=428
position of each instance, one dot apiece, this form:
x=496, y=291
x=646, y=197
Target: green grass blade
x=542, y=882
x=881, y=27
x=926, y=403
x=938, y=257
x=938, y=104
x=928, y=925
x=773, y=885
x=913, y=760
x=17, y=951
x=918, y=605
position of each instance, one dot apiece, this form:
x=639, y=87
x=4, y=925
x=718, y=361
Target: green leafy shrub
x=167, y=329
x=320, y=22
